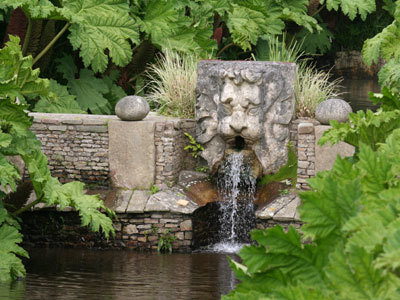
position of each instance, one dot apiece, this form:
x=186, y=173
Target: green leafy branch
x=18, y=79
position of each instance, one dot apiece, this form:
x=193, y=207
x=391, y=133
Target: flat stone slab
x=326, y=155
x=283, y=208
x=288, y=212
x=138, y=202
x=169, y=201
x=132, y=154
x=122, y=201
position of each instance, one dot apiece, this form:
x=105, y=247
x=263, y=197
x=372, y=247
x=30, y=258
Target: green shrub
x=351, y=237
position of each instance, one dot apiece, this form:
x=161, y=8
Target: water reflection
x=73, y=274
x=356, y=92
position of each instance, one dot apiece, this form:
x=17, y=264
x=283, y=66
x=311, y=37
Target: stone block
x=326, y=155
x=288, y=212
x=92, y=128
x=58, y=127
x=269, y=86
x=303, y=164
x=72, y=121
x=138, y=201
x=142, y=239
x=122, y=201
x=305, y=128
x=180, y=236
x=130, y=229
x=186, y=225
x=132, y=154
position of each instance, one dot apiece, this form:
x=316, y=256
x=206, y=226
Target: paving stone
x=186, y=225
x=168, y=201
x=274, y=207
x=288, y=212
x=138, y=201
x=122, y=202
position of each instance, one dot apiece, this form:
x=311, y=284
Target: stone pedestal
x=132, y=154
x=326, y=154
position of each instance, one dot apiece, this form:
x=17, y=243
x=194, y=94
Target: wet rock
x=185, y=177
x=132, y=108
x=333, y=109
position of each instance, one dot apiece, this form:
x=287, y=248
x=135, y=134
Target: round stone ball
x=132, y=108
x=333, y=109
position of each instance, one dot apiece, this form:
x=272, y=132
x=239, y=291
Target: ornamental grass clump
x=172, y=84
x=312, y=87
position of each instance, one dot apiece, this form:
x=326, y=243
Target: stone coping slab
x=87, y=119
x=283, y=208
x=174, y=200
x=140, y=201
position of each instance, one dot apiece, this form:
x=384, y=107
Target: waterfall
x=236, y=189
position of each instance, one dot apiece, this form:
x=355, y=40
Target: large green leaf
x=58, y=101
x=35, y=9
x=17, y=78
x=11, y=266
x=317, y=41
x=332, y=202
x=100, y=25
x=354, y=277
x=96, y=94
x=9, y=174
x=352, y=7
x=385, y=44
x=367, y=127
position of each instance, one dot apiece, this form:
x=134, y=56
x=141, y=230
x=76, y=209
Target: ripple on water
x=82, y=274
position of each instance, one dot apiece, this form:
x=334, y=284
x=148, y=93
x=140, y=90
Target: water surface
x=85, y=274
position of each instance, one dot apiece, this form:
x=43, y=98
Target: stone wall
x=51, y=228
x=305, y=154
x=143, y=231
x=171, y=158
x=76, y=146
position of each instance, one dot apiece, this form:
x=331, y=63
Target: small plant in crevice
x=153, y=189
x=165, y=242
x=195, y=149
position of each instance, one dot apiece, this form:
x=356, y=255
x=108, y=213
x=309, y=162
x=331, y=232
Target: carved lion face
x=240, y=112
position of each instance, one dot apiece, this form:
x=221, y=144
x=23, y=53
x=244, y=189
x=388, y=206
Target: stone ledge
x=283, y=208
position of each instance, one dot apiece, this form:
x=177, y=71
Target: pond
x=355, y=91
x=118, y=275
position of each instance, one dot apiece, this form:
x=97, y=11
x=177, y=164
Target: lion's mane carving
x=250, y=102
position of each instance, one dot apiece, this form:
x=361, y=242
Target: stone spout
x=243, y=105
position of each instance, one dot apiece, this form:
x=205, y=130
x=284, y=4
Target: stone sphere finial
x=333, y=109
x=132, y=108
